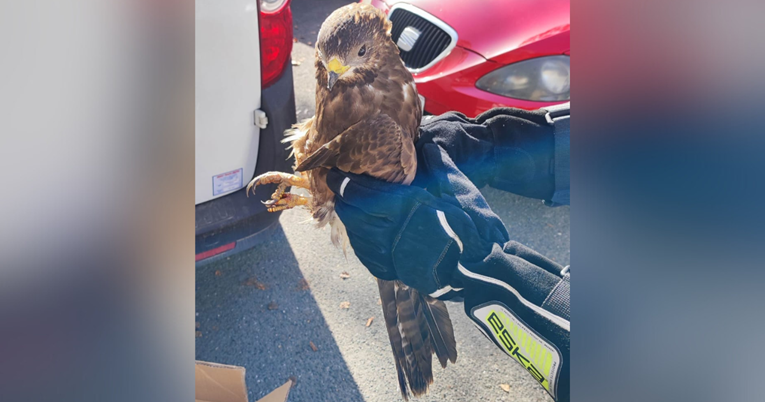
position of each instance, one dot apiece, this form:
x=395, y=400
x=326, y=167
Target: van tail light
x=275, y=39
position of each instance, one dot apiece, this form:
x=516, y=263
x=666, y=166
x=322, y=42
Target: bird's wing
x=418, y=326
x=377, y=146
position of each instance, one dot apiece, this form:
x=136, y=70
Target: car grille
x=430, y=44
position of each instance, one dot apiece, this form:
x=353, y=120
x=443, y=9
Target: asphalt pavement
x=268, y=308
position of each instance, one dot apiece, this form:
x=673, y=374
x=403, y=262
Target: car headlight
x=541, y=79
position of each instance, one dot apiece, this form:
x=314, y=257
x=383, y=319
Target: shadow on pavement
x=264, y=320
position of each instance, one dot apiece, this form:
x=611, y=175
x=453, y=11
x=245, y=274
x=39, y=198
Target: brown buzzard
x=366, y=122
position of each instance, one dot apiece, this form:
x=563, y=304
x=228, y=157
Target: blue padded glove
x=403, y=232
x=525, y=152
x=446, y=242
x=450, y=245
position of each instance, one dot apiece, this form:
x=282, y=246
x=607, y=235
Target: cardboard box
x=223, y=383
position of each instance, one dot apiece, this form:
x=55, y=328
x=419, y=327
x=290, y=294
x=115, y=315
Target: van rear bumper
x=236, y=218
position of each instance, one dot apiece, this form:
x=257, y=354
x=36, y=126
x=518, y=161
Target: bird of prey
x=367, y=118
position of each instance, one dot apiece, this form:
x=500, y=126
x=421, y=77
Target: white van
x=244, y=102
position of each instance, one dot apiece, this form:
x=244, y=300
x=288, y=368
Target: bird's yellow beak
x=336, y=69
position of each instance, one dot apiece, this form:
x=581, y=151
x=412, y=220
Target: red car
x=471, y=56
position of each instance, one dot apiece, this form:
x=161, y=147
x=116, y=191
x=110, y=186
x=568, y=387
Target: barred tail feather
x=418, y=327
x=441, y=330
x=418, y=353
x=388, y=298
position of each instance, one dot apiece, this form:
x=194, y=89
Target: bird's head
x=353, y=43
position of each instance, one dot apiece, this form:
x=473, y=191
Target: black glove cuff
x=558, y=301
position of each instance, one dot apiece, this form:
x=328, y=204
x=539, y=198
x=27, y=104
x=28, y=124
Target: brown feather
x=441, y=331
x=363, y=146
x=388, y=298
x=418, y=353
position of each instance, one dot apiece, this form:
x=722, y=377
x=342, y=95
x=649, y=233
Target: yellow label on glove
x=534, y=353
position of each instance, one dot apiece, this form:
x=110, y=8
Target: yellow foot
x=279, y=199
x=286, y=201
x=284, y=179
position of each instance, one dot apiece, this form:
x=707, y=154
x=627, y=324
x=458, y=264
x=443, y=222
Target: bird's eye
x=363, y=50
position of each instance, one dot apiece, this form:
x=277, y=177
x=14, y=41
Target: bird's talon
x=284, y=179
x=287, y=201
x=251, y=186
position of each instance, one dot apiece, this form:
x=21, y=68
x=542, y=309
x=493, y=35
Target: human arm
x=520, y=151
x=442, y=248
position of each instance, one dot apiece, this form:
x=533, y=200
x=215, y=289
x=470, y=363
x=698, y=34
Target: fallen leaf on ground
x=313, y=346
x=218, y=273
x=345, y=275
x=303, y=284
x=505, y=387
x=198, y=334
x=379, y=302
x=254, y=282
x=273, y=306
x=345, y=304
x=369, y=321
x=294, y=40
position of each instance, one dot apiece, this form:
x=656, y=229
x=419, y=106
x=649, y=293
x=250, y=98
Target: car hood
x=494, y=27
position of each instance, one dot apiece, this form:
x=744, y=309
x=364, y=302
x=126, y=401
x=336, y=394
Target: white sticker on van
x=227, y=182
